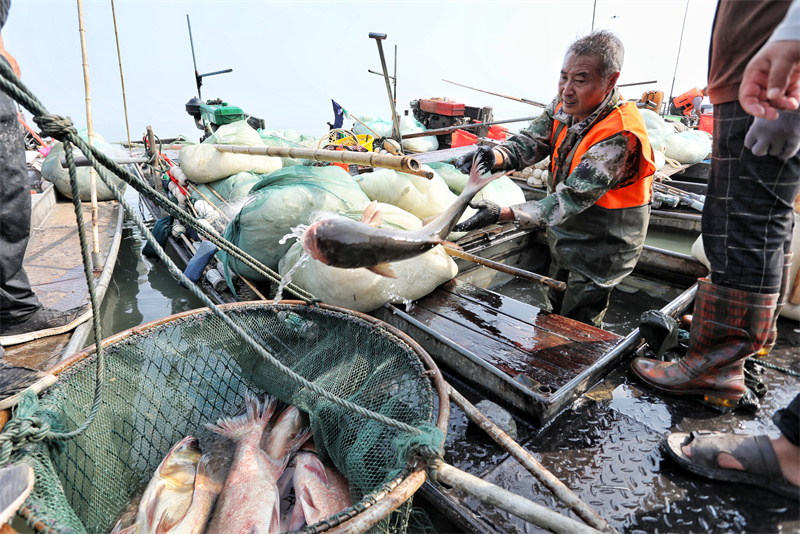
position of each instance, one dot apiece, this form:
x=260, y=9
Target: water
x=141, y=289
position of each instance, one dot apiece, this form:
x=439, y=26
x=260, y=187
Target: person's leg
x=17, y=300
x=747, y=219
x=584, y=300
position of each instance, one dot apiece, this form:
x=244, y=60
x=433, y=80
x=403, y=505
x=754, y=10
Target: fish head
x=310, y=243
x=180, y=464
x=290, y=430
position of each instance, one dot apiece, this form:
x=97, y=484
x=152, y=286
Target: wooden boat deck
x=54, y=266
x=535, y=360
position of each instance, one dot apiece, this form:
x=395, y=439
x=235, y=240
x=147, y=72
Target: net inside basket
x=164, y=382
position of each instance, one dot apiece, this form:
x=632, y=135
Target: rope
x=62, y=129
x=774, y=367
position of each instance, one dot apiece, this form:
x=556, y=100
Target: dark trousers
x=17, y=300
x=748, y=214
x=788, y=421
x=584, y=300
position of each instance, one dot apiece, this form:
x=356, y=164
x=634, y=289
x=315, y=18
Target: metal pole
x=394, y=78
x=680, y=43
x=395, y=126
x=197, y=79
x=96, y=259
x=121, y=77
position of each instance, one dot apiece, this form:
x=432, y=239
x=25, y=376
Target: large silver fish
x=170, y=489
x=207, y=487
x=342, y=242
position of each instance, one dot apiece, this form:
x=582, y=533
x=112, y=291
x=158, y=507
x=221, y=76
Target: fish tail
x=254, y=418
x=476, y=181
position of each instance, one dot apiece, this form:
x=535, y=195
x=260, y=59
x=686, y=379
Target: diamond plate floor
x=606, y=448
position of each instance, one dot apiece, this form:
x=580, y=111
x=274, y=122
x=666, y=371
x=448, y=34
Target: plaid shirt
x=603, y=166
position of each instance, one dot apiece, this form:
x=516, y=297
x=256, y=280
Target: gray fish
x=349, y=244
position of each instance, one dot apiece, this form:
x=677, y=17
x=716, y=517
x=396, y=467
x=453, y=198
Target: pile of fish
x=195, y=491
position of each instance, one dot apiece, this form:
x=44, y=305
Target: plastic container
x=707, y=123
x=462, y=138
x=364, y=140
x=497, y=132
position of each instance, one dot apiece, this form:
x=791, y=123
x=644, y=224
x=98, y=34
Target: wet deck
x=537, y=361
x=606, y=448
x=54, y=265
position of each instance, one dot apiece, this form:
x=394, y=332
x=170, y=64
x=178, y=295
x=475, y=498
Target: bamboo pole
x=497, y=266
x=510, y=502
x=121, y=77
x=562, y=492
x=406, y=164
x=96, y=259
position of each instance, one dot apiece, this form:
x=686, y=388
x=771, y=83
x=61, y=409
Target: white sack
x=689, y=147
x=364, y=291
x=420, y=196
x=203, y=163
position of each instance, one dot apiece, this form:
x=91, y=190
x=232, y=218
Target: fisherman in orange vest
x=600, y=182
x=689, y=101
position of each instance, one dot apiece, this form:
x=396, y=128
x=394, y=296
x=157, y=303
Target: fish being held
x=349, y=244
x=170, y=489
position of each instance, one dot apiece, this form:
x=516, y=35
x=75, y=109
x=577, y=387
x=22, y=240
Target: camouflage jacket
x=603, y=166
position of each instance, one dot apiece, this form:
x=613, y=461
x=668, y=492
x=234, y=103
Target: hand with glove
x=486, y=160
x=488, y=213
x=779, y=137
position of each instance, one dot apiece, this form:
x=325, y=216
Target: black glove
x=488, y=213
x=484, y=157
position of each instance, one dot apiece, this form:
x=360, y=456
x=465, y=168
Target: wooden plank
x=533, y=315
x=512, y=336
x=53, y=259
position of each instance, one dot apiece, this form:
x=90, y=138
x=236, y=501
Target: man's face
x=581, y=87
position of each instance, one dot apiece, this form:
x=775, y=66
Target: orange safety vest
x=632, y=193
x=685, y=100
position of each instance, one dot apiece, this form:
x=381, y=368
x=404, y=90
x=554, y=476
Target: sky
x=289, y=59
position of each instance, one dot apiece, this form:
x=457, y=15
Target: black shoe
x=42, y=323
x=16, y=482
x=14, y=381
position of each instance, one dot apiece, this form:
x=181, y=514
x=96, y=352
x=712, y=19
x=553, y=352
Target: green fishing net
x=165, y=381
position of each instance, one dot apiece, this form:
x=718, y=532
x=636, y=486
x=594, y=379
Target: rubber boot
x=783, y=296
x=728, y=326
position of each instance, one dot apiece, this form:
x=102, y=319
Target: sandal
x=755, y=453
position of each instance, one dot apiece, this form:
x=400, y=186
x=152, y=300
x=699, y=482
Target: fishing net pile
x=264, y=210
x=165, y=381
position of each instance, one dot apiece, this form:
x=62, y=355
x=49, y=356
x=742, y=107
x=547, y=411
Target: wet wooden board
x=523, y=356
x=54, y=265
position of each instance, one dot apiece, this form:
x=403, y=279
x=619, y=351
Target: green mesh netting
x=164, y=382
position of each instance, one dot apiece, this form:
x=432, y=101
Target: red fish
x=320, y=491
x=249, y=499
x=349, y=244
